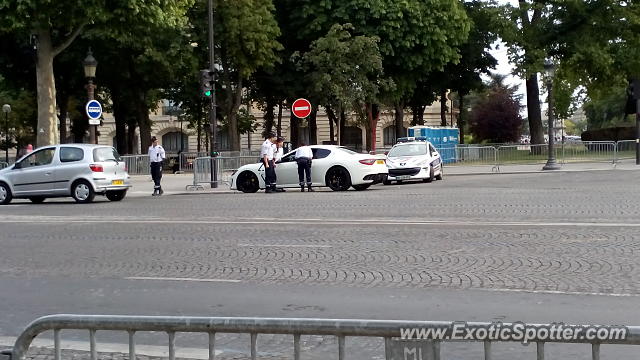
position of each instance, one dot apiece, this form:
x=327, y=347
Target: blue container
x=444, y=139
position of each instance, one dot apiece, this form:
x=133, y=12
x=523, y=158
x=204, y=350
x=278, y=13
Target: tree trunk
x=294, y=130
x=313, y=126
x=461, y=118
x=143, y=121
x=279, y=127
x=46, y=133
x=399, y=120
x=373, y=115
x=63, y=103
x=332, y=122
x=269, y=117
x=443, y=107
x=533, y=110
x=341, y=126
x=232, y=116
x=119, y=115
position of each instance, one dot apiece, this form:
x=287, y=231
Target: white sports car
x=334, y=166
x=414, y=160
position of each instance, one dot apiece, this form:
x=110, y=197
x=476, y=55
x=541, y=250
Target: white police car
x=413, y=158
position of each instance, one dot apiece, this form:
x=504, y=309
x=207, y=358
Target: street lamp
x=6, y=108
x=550, y=69
x=90, y=64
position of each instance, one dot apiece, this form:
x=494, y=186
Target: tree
x=344, y=70
x=247, y=36
x=496, y=115
x=56, y=25
x=417, y=37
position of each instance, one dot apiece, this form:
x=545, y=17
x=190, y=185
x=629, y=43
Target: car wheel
x=441, y=175
x=116, y=195
x=37, y=199
x=5, y=194
x=82, y=192
x=431, y=175
x=247, y=182
x=338, y=179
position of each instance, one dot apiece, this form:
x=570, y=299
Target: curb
x=536, y=172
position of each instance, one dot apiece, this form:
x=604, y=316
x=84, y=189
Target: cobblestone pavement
x=571, y=233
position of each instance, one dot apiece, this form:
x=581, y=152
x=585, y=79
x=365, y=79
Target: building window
x=223, y=140
x=389, y=135
x=175, y=141
x=352, y=138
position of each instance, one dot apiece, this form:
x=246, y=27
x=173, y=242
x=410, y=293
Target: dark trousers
x=270, y=176
x=156, y=173
x=304, y=168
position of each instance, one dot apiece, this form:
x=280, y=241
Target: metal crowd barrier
x=3, y=164
x=187, y=160
x=389, y=330
x=588, y=151
x=137, y=164
x=625, y=150
x=226, y=167
x=523, y=154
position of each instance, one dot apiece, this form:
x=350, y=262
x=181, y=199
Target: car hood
x=406, y=161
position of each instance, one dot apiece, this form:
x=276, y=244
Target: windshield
x=408, y=150
x=105, y=154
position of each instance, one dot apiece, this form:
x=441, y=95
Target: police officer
x=303, y=156
x=156, y=156
x=267, y=152
x=277, y=156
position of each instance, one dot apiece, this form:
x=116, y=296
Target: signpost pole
x=92, y=128
x=213, y=121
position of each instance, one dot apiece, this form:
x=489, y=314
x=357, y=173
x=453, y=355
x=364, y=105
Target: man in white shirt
x=156, y=156
x=304, y=155
x=267, y=153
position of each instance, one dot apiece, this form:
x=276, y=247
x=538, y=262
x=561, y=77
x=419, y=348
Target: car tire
x=116, y=195
x=5, y=194
x=431, y=175
x=361, y=187
x=82, y=192
x=37, y=199
x=338, y=179
x=441, y=175
x=247, y=182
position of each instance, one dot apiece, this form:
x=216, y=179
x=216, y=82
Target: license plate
x=117, y=182
x=381, y=162
x=403, y=177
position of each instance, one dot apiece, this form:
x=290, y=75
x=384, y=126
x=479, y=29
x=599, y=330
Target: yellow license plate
x=117, y=182
x=380, y=162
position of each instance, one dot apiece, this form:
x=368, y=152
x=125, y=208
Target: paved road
x=538, y=248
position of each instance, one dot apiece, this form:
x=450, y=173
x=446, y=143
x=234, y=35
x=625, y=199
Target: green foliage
x=607, y=108
x=495, y=116
x=22, y=118
x=344, y=70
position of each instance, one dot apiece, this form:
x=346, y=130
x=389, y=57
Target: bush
x=610, y=134
x=496, y=117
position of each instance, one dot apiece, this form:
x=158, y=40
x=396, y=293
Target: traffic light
x=206, y=83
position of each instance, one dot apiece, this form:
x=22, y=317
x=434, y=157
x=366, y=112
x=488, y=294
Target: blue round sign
x=94, y=109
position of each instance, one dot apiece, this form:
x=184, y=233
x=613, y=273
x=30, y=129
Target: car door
x=319, y=165
x=287, y=171
x=71, y=165
x=35, y=174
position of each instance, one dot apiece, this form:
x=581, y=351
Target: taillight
x=368, y=161
x=96, y=168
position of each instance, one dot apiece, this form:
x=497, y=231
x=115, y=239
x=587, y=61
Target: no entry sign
x=301, y=108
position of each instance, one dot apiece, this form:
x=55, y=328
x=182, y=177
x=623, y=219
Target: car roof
x=412, y=143
x=84, y=146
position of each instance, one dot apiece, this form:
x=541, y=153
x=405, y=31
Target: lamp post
x=213, y=121
x=549, y=69
x=6, y=108
x=90, y=64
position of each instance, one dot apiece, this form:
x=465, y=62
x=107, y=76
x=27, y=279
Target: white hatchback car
x=77, y=170
x=414, y=160
x=334, y=166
